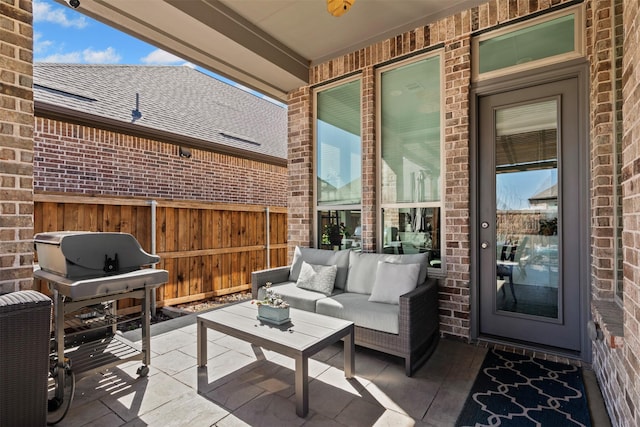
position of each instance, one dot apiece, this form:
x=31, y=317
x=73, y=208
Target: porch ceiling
x=268, y=45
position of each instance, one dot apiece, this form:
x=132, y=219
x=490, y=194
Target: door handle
x=484, y=245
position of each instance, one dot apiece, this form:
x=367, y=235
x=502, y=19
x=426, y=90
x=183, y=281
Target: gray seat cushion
x=321, y=257
x=299, y=298
x=356, y=308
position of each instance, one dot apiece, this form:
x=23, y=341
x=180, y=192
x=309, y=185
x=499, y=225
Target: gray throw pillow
x=363, y=267
x=318, y=278
x=393, y=280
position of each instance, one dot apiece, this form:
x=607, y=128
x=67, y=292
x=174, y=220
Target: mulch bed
x=215, y=302
x=168, y=313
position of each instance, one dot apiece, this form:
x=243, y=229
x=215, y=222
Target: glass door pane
x=526, y=172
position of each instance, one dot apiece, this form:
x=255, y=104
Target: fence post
x=268, y=237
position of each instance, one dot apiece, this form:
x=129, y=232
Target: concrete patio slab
x=247, y=386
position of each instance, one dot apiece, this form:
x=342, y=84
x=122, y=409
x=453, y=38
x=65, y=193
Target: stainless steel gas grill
x=88, y=272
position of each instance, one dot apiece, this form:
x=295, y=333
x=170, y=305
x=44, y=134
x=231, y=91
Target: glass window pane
x=339, y=229
x=544, y=40
x=338, y=161
x=412, y=231
x=410, y=132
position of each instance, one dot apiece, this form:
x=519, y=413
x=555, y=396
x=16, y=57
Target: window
x=339, y=229
x=545, y=40
x=410, y=157
x=338, y=165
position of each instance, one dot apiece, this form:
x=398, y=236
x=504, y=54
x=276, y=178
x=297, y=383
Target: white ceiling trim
x=267, y=45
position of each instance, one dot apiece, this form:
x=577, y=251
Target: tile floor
x=243, y=385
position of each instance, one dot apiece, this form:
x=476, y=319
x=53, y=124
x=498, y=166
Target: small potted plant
x=333, y=233
x=272, y=308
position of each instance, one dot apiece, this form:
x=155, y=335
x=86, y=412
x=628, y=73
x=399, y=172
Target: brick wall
x=613, y=156
x=79, y=159
x=454, y=295
x=454, y=33
x=369, y=153
x=16, y=145
x=300, y=159
x=602, y=135
x=618, y=366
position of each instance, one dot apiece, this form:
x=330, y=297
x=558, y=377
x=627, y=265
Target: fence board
x=90, y=220
x=216, y=267
x=207, y=274
x=126, y=214
x=143, y=226
x=70, y=218
x=182, y=267
x=171, y=233
x=225, y=229
x=182, y=226
x=195, y=232
x=225, y=268
x=50, y=217
x=209, y=249
x=236, y=271
x=170, y=288
x=195, y=275
x=207, y=229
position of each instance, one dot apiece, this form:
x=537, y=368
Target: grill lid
x=96, y=253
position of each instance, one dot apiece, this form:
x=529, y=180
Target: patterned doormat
x=515, y=390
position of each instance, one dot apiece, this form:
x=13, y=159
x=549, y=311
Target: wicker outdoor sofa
x=390, y=299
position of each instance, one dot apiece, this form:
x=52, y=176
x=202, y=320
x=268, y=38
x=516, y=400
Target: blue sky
x=64, y=35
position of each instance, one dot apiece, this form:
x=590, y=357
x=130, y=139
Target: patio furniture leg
x=408, y=369
x=202, y=343
x=302, y=385
x=349, y=355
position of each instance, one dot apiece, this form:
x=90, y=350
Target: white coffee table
x=307, y=334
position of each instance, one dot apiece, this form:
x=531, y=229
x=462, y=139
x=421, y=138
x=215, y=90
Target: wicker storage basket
x=25, y=324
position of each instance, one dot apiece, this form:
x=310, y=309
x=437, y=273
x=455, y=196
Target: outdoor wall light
x=73, y=3
x=185, y=152
x=339, y=7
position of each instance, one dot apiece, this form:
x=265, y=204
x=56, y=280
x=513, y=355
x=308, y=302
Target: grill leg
x=59, y=341
x=146, y=326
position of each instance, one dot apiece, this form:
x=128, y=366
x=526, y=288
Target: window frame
x=380, y=206
x=578, y=52
x=316, y=207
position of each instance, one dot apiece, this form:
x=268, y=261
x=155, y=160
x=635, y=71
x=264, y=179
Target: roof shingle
x=175, y=99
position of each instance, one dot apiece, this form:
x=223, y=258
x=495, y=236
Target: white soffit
x=268, y=45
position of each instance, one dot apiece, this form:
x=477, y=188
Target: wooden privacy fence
x=209, y=249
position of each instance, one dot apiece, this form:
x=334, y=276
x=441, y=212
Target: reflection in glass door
x=526, y=241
